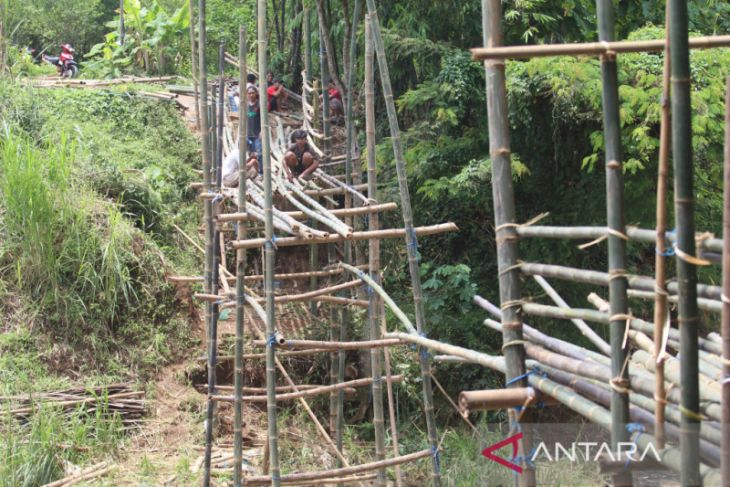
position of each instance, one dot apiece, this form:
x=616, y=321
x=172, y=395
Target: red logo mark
x=488, y=452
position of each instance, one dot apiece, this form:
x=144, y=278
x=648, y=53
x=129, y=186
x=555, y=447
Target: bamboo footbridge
x=634, y=385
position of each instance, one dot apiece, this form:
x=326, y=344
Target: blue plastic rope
x=519, y=377
x=436, y=459
x=635, y=428
x=218, y=197
x=667, y=253
x=290, y=344
x=527, y=459
x=271, y=341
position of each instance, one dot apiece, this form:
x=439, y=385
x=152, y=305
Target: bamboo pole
x=586, y=330
x=208, y=216
x=194, y=66
x=340, y=386
x=240, y=267
x=705, y=241
x=326, y=345
x=268, y=256
x=661, y=294
x=617, y=285
x=597, y=278
x=702, y=303
x=374, y=307
x=307, y=49
x=339, y=472
x=375, y=234
x=725, y=326
x=411, y=238
x=591, y=48
x=685, y=250
x=300, y=215
x=504, y=218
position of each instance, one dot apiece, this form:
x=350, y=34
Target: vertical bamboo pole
x=685, y=249
x=268, y=257
x=617, y=285
x=725, y=458
x=208, y=215
x=374, y=305
x=504, y=216
x=307, y=47
x=240, y=265
x=660, y=300
x=219, y=112
x=194, y=64
x=411, y=241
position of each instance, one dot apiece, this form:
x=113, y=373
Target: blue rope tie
x=290, y=344
x=218, y=197
x=377, y=380
x=635, y=428
x=519, y=377
x=272, y=242
x=667, y=253
x=436, y=459
x=271, y=341
x=413, y=244
x=527, y=459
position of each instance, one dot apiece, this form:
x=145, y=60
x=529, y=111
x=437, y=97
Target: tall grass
x=34, y=453
x=72, y=252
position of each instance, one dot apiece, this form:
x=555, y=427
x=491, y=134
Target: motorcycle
x=65, y=64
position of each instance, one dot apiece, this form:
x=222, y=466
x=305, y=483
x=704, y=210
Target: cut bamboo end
x=490, y=400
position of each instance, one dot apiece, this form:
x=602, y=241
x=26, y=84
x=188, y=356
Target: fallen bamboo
x=340, y=472
x=93, y=472
x=316, y=391
x=365, y=235
x=326, y=345
x=591, y=48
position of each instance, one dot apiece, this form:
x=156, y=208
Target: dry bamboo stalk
x=298, y=275
x=189, y=238
x=591, y=48
x=464, y=416
x=703, y=303
x=262, y=390
x=327, y=345
x=75, y=479
x=340, y=472
x=319, y=292
x=390, y=233
x=309, y=392
x=334, y=191
x=299, y=215
x=251, y=356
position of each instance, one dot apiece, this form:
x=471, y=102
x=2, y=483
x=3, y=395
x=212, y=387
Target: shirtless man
x=300, y=159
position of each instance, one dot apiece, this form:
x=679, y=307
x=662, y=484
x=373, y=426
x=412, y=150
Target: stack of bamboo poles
x=119, y=400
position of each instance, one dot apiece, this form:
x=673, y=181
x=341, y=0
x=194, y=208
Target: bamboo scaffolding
x=725, y=324
x=252, y=356
x=586, y=330
x=504, y=219
x=273, y=437
x=376, y=234
x=262, y=390
x=684, y=219
x=300, y=215
x=340, y=472
x=591, y=48
x=598, y=278
x=326, y=345
x=375, y=304
x=704, y=240
x=340, y=386
x=262, y=315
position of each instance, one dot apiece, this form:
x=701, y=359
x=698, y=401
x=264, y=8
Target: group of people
x=300, y=160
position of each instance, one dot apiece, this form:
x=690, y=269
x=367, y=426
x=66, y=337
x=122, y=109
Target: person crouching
x=300, y=159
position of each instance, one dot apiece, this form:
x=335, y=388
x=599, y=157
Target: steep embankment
x=92, y=187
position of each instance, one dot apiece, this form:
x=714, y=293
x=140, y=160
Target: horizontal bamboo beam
x=324, y=345
x=703, y=303
x=251, y=356
x=590, y=48
x=279, y=389
x=299, y=215
x=260, y=480
x=492, y=399
x=368, y=235
x=308, y=392
x=334, y=191
x=704, y=240
x=597, y=278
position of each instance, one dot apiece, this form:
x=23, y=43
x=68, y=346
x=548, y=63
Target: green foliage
x=34, y=453
x=152, y=37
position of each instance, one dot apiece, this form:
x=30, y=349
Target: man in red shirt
x=276, y=96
